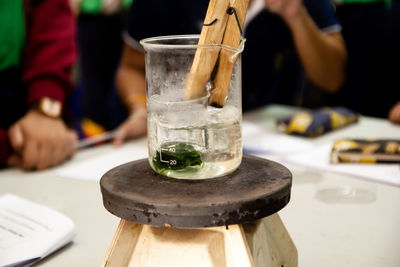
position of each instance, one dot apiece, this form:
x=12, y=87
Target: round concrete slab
x=136, y=193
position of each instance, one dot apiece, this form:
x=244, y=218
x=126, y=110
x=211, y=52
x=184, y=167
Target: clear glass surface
x=190, y=139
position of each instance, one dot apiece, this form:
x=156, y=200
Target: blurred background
x=370, y=29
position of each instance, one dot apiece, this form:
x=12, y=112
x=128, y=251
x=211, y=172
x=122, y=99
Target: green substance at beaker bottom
x=180, y=157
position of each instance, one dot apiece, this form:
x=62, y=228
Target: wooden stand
x=262, y=243
x=229, y=221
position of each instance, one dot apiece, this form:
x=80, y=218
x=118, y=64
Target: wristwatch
x=48, y=106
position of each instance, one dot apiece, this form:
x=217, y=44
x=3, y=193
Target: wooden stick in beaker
x=232, y=38
x=217, y=31
x=206, y=58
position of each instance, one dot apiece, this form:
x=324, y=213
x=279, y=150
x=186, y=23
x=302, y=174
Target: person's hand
x=394, y=113
x=134, y=126
x=40, y=142
x=287, y=9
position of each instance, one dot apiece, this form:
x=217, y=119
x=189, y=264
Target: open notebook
x=30, y=232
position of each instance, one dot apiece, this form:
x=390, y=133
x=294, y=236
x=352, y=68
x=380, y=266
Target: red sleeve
x=5, y=148
x=50, y=50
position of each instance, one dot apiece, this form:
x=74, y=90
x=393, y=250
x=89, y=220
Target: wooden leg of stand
x=123, y=244
x=237, y=251
x=142, y=245
x=270, y=243
x=264, y=243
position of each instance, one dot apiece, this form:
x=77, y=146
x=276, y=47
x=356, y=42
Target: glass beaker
x=189, y=138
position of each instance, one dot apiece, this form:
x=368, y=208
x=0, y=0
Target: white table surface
x=334, y=220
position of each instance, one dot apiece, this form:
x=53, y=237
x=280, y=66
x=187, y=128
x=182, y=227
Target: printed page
x=260, y=141
x=319, y=158
x=94, y=168
x=29, y=231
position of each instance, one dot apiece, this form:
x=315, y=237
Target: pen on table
x=96, y=139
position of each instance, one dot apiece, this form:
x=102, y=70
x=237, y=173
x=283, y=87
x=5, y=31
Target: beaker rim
x=151, y=42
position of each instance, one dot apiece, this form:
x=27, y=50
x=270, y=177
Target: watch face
x=50, y=107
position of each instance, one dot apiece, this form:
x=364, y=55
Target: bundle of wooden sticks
x=223, y=25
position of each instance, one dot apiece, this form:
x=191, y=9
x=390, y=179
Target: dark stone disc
x=136, y=193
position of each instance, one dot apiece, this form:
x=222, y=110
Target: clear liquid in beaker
x=193, y=141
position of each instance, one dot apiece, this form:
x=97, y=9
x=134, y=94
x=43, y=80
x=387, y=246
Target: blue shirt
x=271, y=70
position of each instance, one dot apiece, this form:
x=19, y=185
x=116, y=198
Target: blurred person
x=282, y=38
x=394, y=114
x=99, y=35
x=367, y=89
x=37, y=51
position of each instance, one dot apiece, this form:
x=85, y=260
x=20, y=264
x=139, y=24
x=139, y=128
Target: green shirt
x=12, y=32
x=96, y=6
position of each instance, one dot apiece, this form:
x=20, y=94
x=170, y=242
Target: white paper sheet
x=260, y=141
x=318, y=158
x=94, y=168
x=29, y=231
